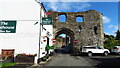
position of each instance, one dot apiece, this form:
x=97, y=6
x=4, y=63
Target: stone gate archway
x=67, y=32
x=89, y=31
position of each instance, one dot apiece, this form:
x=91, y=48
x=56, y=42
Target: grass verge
x=3, y=65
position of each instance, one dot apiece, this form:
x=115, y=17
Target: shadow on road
x=107, y=62
x=63, y=51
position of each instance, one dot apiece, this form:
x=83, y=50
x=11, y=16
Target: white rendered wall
x=19, y=10
x=44, y=33
x=26, y=38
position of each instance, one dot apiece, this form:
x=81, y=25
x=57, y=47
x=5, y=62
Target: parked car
x=116, y=50
x=89, y=50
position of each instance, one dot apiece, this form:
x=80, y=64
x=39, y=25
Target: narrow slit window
x=95, y=30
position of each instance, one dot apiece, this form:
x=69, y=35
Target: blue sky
x=108, y=9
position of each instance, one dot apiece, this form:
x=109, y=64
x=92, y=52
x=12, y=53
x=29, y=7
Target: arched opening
x=65, y=41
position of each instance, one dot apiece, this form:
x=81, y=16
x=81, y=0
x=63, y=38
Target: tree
x=58, y=39
x=110, y=43
x=118, y=35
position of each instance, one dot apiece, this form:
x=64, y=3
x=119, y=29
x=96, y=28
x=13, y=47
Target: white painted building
x=26, y=38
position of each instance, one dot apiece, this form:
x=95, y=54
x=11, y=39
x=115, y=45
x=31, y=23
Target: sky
x=108, y=9
x=79, y=0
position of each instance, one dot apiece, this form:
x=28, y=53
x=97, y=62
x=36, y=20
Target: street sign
x=47, y=21
x=75, y=41
x=54, y=40
x=7, y=26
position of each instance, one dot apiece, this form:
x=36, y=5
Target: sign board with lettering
x=47, y=21
x=75, y=41
x=7, y=26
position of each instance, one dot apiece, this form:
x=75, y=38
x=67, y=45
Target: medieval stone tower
x=90, y=30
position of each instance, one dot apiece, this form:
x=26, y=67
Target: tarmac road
x=110, y=61
x=67, y=61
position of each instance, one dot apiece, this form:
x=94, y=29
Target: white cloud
x=116, y=27
x=106, y=19
x=113, y=26
x=66, y=6
x=113, y=30
x=107, y=33
x=110, y=26
x=82, y=7
x=110, y=33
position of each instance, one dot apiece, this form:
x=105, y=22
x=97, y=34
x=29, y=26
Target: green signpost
x=47, y=21
x=7, y=26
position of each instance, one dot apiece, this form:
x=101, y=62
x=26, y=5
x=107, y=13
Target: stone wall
x=91, y=28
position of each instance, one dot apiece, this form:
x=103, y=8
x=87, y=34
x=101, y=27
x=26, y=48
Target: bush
x=111, y=42
x=49, y=47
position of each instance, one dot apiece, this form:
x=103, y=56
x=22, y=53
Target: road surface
x=67, y=61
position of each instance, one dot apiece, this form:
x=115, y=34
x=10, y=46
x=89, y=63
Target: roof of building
x=43, y=6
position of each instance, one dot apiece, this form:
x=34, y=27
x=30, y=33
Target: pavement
x=27, y=65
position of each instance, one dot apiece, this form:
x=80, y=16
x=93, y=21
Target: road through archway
x=69, y=39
